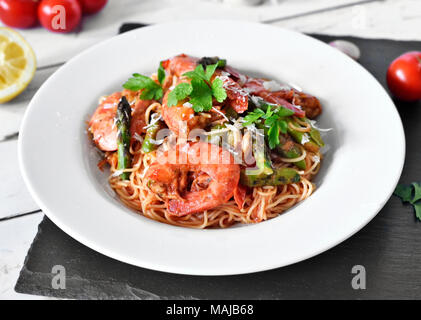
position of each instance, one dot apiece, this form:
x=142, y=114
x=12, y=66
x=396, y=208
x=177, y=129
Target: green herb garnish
x=180, y=92
x=412, y=194
x=151, y=89
x=253, y=116
x=200, y=96
x=200, y=90
x=273, y=119
x=218, y=90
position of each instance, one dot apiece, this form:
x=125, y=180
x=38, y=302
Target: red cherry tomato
x=92, y=6
x=404, y=76
x=59, y=15
x=19, y=13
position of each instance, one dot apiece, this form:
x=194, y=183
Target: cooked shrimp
x=179, y=65
x=102, y=125
x=194, y=186
x=175, y=115
x=181, y=119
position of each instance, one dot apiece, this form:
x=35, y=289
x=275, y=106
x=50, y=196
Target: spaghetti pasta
x=205, y=194
x=261, y=204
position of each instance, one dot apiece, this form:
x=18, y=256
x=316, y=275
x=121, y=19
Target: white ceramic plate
x=358, y=175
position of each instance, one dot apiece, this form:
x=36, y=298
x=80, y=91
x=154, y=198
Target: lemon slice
x=17, y=64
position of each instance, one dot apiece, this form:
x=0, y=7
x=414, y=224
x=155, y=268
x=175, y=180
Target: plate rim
x=165, y=268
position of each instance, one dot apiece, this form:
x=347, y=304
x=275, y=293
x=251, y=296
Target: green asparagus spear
x=315, y=135
x=266, y=175
x=288, y=149
x=263, y=162
x=148, y=144
x=279, y=176
x=122, y=121
x=263, y=171
x=300, y=137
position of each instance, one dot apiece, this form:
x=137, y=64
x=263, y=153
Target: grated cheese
x=137, y=137
x=154, y=119
x=305, y=139
x=313, y=124
x=316, y=158
x=117, y=173
x=221, y=113
x=274, y=86
x=187, y=104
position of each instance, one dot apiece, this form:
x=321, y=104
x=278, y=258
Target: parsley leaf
x=253, y=117
x=417, y=207
x=283, y=126
x=200, y=90
x=198, y=72
x=270, y=121
x=151, y=90
x=276, y=125
x=201, y=95
x=417, y=191
x=180, y=92
x=412, y=194
x=274, y=120
x=269, y=112
x=284, y=112
x=280, y=110
x=161, y=73
x=218, y=90
x=210, y=70
x=404, y=192
x=408, y=193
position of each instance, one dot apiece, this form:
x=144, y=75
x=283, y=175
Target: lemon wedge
x=17, y=64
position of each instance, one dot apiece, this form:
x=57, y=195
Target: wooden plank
x=11, y=113
x=14, y=196
x=391, y=19
x=15, y=239
x=53, y=47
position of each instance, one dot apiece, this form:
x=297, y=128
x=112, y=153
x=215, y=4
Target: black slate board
x=388, y=247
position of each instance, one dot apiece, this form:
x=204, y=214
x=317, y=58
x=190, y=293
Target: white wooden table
x=20, y=215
